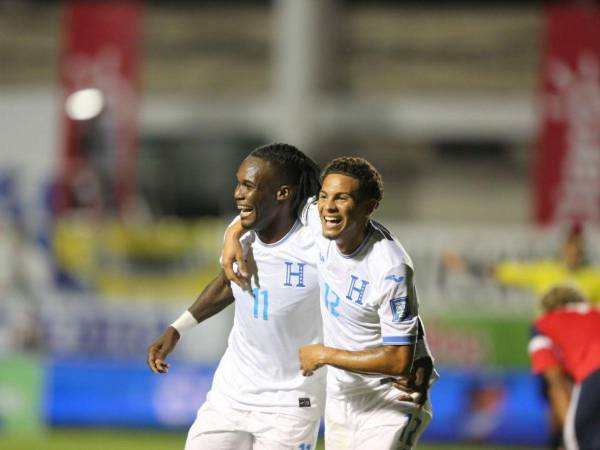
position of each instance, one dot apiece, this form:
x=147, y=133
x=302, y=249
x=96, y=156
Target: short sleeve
x=398, y=310
x=542, y=353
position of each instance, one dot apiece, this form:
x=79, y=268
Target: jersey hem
x=223, y=400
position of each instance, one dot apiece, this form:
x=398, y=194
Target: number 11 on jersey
x=257, y=303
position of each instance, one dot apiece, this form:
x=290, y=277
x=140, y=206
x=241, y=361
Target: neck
x=277, y=229
x=349, y=243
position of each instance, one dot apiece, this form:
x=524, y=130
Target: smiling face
x=256, y=193
x=344, y=212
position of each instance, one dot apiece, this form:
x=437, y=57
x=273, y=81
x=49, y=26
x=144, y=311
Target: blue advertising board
x=123, y=394
x=502, y=407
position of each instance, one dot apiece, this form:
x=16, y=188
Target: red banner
x=567, y=171
x=99, y=81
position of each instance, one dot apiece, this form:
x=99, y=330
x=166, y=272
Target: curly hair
x=370, y=182
x=297, y=168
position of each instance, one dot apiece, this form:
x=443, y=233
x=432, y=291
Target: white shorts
x=374, y=421
x=222, y=428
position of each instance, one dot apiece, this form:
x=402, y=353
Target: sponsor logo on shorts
x=304, y=402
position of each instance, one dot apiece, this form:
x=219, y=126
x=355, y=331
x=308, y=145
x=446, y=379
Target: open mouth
x=331, y=221
x=245, y=211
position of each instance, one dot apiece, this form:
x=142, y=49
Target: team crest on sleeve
x=400, y=310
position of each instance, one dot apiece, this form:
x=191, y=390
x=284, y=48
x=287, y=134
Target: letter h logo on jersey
x=356, y=290
x=290, y=273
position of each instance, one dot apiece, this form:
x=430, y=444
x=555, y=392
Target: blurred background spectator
x=571, y=267
x=565, y=351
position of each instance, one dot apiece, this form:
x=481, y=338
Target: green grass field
x=141, y=440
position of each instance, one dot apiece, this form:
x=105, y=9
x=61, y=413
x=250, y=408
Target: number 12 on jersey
x=258, y=294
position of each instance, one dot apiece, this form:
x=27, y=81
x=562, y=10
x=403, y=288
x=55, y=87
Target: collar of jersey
x=283, y=239
x=360, y=247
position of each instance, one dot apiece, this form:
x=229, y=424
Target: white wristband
x=184, y=322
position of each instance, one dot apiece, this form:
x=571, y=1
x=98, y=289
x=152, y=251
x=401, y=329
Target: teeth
x=244, y=208
x=331, y=219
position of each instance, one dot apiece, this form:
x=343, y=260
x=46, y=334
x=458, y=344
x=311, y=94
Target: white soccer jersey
x=368, y=299
x=273, y=319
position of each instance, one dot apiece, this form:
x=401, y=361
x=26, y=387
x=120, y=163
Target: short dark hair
x=370, y=181
x=298, y=169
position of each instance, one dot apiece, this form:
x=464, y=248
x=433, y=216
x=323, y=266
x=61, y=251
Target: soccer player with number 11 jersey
x=259, y=399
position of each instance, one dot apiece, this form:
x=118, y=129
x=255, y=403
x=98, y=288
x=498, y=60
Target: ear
x=284, y=192
x=371, y=206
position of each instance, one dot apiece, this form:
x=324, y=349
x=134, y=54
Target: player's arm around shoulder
x=233, y=254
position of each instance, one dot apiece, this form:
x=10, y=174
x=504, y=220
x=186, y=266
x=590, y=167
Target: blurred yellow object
x=170, y=258
x=541, y=276
x=74, y=244
x=156, y=287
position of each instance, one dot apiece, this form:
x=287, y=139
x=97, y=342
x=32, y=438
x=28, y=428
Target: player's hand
x=415, y=388
x=408, y=392
x=233, y=253
x=160, y=349
x=311, y=358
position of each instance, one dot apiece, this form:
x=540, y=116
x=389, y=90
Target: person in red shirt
x=566, y=346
